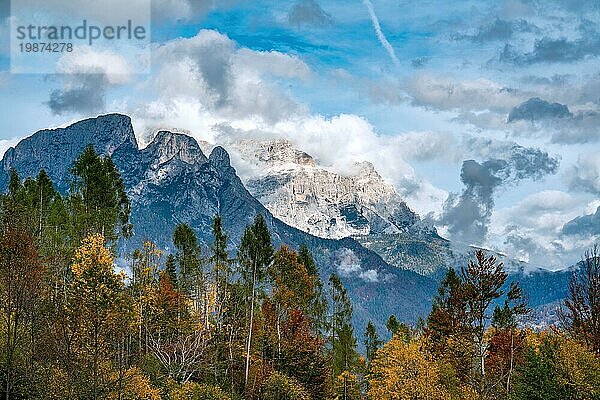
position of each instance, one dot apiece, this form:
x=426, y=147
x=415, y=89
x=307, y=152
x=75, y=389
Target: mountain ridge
x=171, y=181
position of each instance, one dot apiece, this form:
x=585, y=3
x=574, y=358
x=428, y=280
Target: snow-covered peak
x=320, y=200
x=167, y=146
x=273, y=153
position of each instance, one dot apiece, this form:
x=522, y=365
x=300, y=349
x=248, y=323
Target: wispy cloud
x=380, y=35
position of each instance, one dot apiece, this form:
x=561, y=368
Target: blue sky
x=484, y=114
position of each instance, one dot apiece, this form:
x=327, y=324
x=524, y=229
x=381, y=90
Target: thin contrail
x=382, y=39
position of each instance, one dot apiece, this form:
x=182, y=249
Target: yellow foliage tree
x=581, y=370
x=137, y=387
x=100, y=314
x=404, y=370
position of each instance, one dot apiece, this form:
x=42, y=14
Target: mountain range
x=355, y=224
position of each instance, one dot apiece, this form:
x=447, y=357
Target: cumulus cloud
x=87, y=60
x=209, y=68
x=308, y=13
x=536, y=109
x=467, y=216
x=428, y=146
x=446, y=93
x=584, y=175
x=531, y=229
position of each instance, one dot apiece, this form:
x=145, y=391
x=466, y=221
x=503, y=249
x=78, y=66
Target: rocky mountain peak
x=55, y=149
x=219, y=157
x=274, y=153
x=365, y=169
x=168, y=145
x=319, y=200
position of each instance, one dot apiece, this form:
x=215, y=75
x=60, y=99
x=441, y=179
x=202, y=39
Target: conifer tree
x=343, y=343
x=317, y=310
x=372, y=342
x=221, y=266
x=254, y=256
x=392, y=324
x=191, y=277
x=98, y=199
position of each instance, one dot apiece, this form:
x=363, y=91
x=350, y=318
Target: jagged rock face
x=321, y=202
x=55, y=149
x=171, y=181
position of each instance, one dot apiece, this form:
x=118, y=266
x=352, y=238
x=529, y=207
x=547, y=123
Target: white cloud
x=87, y=60
x=530, y=230
x=447, y=93
x=233, y=83
x=370, y=275
x=585, y=174
x=348, y=265
x=271, y=62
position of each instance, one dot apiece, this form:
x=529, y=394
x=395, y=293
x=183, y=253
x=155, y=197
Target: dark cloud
x=585, y=225
x=550, y=50
x=468, y=215
x=530, y=163
x=309, y=13
x=555, y=119
x=499, y=29
x=419, y=62
x=85, y=96
x=536, y=109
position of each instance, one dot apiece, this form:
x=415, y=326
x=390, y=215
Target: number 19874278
x=45, y=47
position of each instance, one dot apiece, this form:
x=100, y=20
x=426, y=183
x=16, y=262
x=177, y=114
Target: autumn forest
x=81, y=320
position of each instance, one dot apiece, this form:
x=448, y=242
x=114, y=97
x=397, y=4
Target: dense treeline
x=200, y=324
